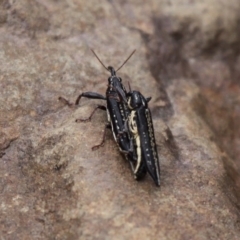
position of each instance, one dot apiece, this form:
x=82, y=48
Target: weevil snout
x=111, y=70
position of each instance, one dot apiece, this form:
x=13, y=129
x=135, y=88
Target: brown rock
x=52, y=186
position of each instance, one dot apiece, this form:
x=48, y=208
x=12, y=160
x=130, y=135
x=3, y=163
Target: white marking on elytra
x=134, y=130
x=108, y=116
x=114, y=135
x=152, y=141
x=129, y=103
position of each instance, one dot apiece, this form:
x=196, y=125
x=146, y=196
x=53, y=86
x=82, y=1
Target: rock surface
x=52, y=186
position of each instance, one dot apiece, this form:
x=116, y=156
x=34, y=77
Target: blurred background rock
x=52, y=186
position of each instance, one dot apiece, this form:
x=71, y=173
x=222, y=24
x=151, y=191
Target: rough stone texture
x=52, y=186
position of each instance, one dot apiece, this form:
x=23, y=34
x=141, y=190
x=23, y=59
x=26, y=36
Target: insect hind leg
x=107, y=125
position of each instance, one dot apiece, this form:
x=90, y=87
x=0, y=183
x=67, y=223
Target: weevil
x=140, y=127
x=117, y=111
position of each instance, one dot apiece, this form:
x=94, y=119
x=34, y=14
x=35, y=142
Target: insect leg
x=90, y=117
x=103, y=138
x=125, y=130
x=65, y=101
x=92, y=95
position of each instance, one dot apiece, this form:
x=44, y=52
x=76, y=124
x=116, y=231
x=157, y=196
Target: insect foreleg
x=107, y=125
x=92, y=95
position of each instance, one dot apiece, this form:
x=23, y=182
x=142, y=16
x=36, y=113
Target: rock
x=52, y=185
x=204, y=50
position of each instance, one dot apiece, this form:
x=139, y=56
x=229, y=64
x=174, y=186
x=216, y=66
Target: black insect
x=140, y=127
x=117, y=110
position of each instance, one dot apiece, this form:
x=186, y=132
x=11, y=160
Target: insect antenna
x=126, y=60
x=129, y=87
x=99, y=60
